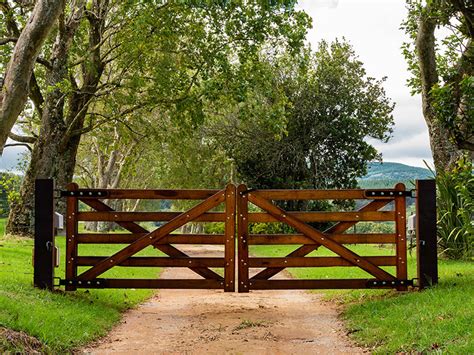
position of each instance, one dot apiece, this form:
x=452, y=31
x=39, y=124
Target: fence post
x=44, y=234
x=426, y=240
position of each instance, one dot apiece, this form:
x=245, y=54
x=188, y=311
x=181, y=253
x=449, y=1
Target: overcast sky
x=372, y=27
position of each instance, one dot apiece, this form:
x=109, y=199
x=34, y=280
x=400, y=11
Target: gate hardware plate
x=388, y=283
x=388, y=193
x=84, y=193
x=96, y=283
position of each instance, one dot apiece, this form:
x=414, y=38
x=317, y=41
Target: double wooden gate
x=240, y=209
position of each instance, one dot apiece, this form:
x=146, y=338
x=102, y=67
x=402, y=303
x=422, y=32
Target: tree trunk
x=444, y=152
x=20, y=67
x=52, y=156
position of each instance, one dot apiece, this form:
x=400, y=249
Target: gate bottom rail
x=145, y=283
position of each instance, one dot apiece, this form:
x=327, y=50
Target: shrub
x=455, y=204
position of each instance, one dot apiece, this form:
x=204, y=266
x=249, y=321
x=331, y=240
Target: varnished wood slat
x=310, y=194
x=153, y=237
x=122, y=238
x=146, y=216
x=154, y=283
x=72, y=208
x=242, y=238
x=312, y=284
x=340, y=238
x=167, y=249
x=156, y=261
x=181, y=194
x=319, y=237
x=400, y=226
x=304, y=250
x=327, y=216
x=323, y=261
x=229, y=250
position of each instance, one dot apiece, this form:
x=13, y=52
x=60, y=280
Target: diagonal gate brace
x=319, y=237
x=306, y=249
x=154, y=236
x=165, y=248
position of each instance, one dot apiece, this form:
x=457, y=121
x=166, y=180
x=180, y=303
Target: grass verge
x=440, y=319
x=60, y=320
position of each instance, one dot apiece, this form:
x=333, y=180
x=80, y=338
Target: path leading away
x=214, y=322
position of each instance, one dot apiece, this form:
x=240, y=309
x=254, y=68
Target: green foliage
x=332, y=108
x=455, y=205
x=10, y=191
x=214, y=228
x=62, y=321
x=446, y=103
x=373, y=227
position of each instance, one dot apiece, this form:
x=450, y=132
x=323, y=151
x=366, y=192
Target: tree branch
x=22, y=139
x=18, y=144
x=8, y=40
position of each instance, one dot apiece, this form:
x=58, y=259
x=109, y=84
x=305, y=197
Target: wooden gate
x=138, y=238
x=336, y=238
x=381, y=205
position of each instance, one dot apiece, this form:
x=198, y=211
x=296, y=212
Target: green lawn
x=440, y=319
x=61, y=320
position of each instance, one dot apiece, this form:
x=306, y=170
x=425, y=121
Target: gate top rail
x=162, y=194
x=334, y=194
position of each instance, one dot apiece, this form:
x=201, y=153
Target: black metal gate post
x=44, y=234
x=426, y=240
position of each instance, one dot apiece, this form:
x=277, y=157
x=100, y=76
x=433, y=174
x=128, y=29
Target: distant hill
x=387, y=174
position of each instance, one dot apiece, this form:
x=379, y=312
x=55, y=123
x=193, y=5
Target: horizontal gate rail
x=146, y=216
x=372, y=238
x=327, y=216
x=322, y=261
x=122, y=238
x=349, y=194
x=145, y=283
x=156, y=261
x=326, y=284
x=181, y=194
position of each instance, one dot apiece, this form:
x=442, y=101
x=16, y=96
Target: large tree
x=110, y=59
x=441, y=59
x=333, y=108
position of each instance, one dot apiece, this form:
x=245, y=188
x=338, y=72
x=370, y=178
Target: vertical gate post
x=426, y=241
x=242, y=238
x=401, y=231
x=72, y=209
x=43, y=274
x=229, y=270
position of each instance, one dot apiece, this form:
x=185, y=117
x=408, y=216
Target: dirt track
x=211, y=321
